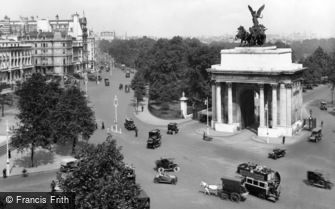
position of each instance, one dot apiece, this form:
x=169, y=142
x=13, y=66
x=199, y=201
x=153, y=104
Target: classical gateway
x=258, y=88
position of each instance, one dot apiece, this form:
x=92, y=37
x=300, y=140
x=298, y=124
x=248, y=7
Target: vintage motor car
x=129, y=124
x=166, y=164
x=154, y=139
x=172, y=128
x=277, y=153
x=316, y=135
x=107, y=82
x=318, y=179
x=130, y=172
x=323, y=105
x=163, y=177
x=68, y=164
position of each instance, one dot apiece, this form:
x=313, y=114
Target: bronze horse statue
x=244, y=35
x=255, y=37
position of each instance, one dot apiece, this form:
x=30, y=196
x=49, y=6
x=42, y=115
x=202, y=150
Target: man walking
x=283, y=139
x=136, y=131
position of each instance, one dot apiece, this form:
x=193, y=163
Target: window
x=255, y=182
x=35, y=51
x=63, y=51
x=249, y=181
x=63, y=44
x=261, y=184
x=35, y=62
x=63, y=61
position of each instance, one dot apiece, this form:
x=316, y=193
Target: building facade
x=15, y=61
x=258, y=88
x=59, y=46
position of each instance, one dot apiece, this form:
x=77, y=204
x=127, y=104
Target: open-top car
x=163, y=177
x=317, y=178
x=154, y=139
x=166, y=164
x=277, y=153
x=172, y=128
x=68, y=164
x=129, y=124
x=130, y=172
x=316, y=135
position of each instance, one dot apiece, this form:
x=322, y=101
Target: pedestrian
x=4, y=173
x=283, y=139
x=53, y=186
x=9, y=154
x=204, y=135
x=142, y=108
x=102, y=125
x=321, y=123
x=96, y=126
x=136, y=131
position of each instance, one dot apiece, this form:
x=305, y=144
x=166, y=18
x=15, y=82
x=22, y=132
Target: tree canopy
x=37, y=100
x=100, y=180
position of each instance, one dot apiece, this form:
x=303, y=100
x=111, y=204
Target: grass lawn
x=168, y=110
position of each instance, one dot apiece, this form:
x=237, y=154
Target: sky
x=167, y=18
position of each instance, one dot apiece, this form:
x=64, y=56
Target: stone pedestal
x=183, y=105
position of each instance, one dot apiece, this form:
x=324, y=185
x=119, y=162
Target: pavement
x=147, y=117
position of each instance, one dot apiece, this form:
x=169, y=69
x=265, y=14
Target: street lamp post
x=267, y=122
x=97, y=76
x=7, y=162
x=115, y=120
x=207, y=116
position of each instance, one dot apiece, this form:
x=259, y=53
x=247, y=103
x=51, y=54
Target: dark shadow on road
x=41, y=157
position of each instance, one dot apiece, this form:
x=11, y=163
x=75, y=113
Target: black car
x=107, y=82
x=172, y=128
x=166, y=164
x=316, y=178
x=277, y=153
x=142, y=200
x=129, y=124
x=154, y=139
x=130, y=172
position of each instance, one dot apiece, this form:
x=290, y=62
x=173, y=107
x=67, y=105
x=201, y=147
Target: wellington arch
x=258, y=88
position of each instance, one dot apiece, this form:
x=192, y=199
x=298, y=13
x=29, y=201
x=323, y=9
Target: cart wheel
x=160, y=170
x=155, y=181
x=174, y=182
x=176, y=169
x=235, y=197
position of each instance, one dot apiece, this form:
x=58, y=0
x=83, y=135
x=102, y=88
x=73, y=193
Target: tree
x=138, y=85
x=72, y=117
x=100, y=180
x=36, y=101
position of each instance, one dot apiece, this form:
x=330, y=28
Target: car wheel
x=160, y=169
x=174, y=182
x=155, y=180
x=176, y=169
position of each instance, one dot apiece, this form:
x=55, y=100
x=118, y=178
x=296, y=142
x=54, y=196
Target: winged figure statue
x=256, y=15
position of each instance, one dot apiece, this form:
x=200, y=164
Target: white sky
x=166, y=18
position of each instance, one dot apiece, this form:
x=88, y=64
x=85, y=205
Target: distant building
x=107, y=35
x=59, y=46
x=15, y=61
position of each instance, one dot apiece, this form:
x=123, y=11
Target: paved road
x=206, y=161
x=209, y=161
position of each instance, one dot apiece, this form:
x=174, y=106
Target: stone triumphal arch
x=257, y=87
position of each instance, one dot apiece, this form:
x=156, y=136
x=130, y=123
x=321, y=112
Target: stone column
x=288, y=104
x=261, y=106
x=230, y=102
x=213, y=104
x=282, y=98
x=274, y=105
x=218, y=103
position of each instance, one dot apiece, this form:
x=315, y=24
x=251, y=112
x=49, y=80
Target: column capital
x=229, y=84
x=261, y=85
x=288, y=85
